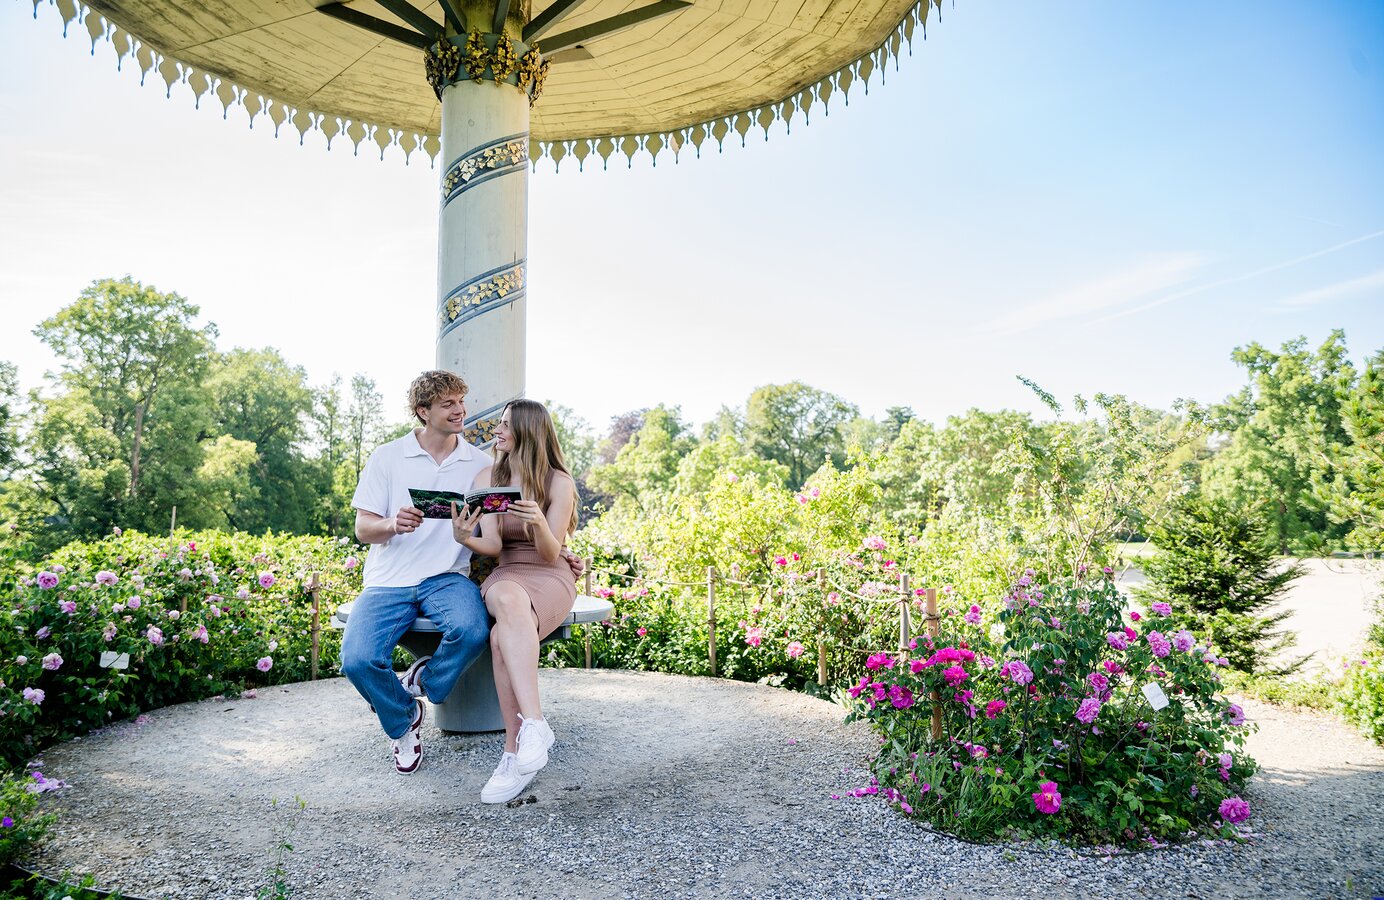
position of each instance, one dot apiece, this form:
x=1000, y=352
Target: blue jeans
x=381, y=615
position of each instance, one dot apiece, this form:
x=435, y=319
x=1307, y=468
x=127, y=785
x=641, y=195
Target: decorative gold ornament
x=510, y=153
x=440, y=62
x=533, y=69
x=477, y=56
x=482, y=432
x=503, y=60
x=492, y=288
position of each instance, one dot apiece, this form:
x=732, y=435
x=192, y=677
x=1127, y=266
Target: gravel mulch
x=660, y=785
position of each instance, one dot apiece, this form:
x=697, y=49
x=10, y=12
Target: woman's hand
x=464, y=524
x=526, y=511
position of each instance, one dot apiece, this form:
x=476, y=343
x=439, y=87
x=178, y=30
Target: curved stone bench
x=473, y=706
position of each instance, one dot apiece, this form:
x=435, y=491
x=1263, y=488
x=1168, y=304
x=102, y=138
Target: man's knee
x=356, y=662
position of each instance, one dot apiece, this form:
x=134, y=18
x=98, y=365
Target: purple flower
x=266, y=579
x=1018, y=672
x=34, y=695
x=52, y=662
x=1088, y=710
x=994, y=708
x=973, y=615
x=6, y=822
x=1184, y=641
x=1158, y=644
x=242, y=594
x=134, y=602
x=68, y=606
x=1047, y=800
x=47, y=580
x=42, y=633
x=1098, y=682
x=155, y=635
x=1234, y=810
x=105, y=576
x=900, y=696
x=1162, y=609
x=1117, y=640
x=264, y=664
x=874, y=542
x=1235, y=715
x=350, y=563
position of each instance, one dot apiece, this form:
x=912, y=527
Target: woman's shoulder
x=557, y=479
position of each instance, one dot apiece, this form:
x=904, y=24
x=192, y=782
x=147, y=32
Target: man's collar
x=463, y=450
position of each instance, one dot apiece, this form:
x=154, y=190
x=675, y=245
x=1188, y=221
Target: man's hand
x=574, y=562
x=407, y=519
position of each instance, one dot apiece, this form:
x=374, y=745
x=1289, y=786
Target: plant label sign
x=112, y=660
x=1155, y=696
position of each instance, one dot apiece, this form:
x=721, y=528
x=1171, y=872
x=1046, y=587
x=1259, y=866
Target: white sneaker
x=408, y=749
x=506, y=783
x=535, y=737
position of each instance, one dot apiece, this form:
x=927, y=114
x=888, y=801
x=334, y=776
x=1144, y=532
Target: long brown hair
x=534, y=452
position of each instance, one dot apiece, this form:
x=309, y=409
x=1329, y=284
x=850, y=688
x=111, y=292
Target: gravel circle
x=658, y=785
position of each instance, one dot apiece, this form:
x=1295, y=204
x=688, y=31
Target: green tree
x=1216, y=565
x=128, y=347
x=798, y=426
x=647, y=465
x=119, y=442
x=1283, y=428
x=1355, y=497
x=259, y=399
x=364, y=423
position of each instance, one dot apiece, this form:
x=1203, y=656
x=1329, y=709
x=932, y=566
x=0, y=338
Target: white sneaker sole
x=508, y=794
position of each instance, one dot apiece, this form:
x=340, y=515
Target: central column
x=482, y=265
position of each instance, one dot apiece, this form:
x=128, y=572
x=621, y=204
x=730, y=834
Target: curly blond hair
x=429, y=386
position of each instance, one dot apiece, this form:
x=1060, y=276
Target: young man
x=415, y=566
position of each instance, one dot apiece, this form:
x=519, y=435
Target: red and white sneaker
x=408, y=749
x=411, y=678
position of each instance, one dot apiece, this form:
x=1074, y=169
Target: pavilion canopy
x=710, y=71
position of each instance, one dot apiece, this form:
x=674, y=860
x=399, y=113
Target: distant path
x=660, y=786
x=1330, y=606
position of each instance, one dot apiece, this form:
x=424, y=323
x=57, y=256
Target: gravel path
x=659, y=785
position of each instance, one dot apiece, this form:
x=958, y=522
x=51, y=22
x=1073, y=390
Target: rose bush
x=1046, y=729
x=197, y=614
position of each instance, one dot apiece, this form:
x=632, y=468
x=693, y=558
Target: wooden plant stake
x=314, y=589
x=934, y=628
x=711, y=618
x=586, y=629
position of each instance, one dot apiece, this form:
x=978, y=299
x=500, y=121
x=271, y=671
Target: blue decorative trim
x=465, y=286
x=473, y=312
x=501, y=157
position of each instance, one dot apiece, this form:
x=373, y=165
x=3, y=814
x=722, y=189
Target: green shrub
x=1045, y=728
x=1360, y=695
x=1218, y=564
x=199, y=615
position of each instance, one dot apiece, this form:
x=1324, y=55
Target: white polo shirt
x=407, y=559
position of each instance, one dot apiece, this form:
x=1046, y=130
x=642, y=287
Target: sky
x=1096, y=196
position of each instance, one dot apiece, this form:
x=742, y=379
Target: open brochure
x=438, y=504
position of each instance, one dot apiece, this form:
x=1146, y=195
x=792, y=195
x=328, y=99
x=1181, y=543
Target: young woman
x=531, y=590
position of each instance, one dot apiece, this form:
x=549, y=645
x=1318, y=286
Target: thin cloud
x=1149, y=277
x=1332, y=291
x=1235, y=279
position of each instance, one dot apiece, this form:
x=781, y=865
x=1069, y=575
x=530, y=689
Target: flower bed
x=1049, y=726
x=200, y=615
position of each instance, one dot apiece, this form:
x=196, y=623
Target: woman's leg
x=515, y=640
x=509, y=706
